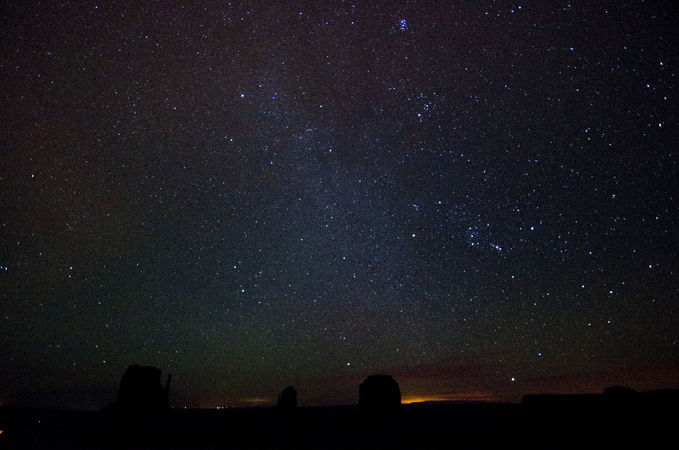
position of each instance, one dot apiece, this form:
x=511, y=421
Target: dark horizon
x=345, y=395
x=477, y=198
x=619, y=417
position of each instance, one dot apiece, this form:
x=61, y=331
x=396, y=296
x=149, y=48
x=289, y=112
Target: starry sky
x=476, y=197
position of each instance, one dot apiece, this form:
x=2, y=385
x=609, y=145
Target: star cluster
x=476, y=197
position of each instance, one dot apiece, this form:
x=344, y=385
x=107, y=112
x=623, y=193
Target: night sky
x=475, y=197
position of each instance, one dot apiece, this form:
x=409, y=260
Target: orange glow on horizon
x=431, y=398
x=475, y=396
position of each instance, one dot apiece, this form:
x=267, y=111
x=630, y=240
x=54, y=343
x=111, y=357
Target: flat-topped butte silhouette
x=379, y=392
x=140, y=389
x=614, y=399
x=287, y=399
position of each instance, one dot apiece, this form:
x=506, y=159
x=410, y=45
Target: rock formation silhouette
x=140, y=389
x=379, y=392
x=619, y=391
x=620, y=417
x=288, y=398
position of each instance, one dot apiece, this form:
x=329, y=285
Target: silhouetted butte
x=379, y=392
x=288, y=398
x=140, y=389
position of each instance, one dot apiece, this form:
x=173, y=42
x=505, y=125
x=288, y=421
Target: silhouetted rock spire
x=379, y=392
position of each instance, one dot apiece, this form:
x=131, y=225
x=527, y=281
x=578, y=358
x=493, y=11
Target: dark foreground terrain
x=539, y=422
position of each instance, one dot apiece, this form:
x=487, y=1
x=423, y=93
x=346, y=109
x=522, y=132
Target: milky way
x=475, y=197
